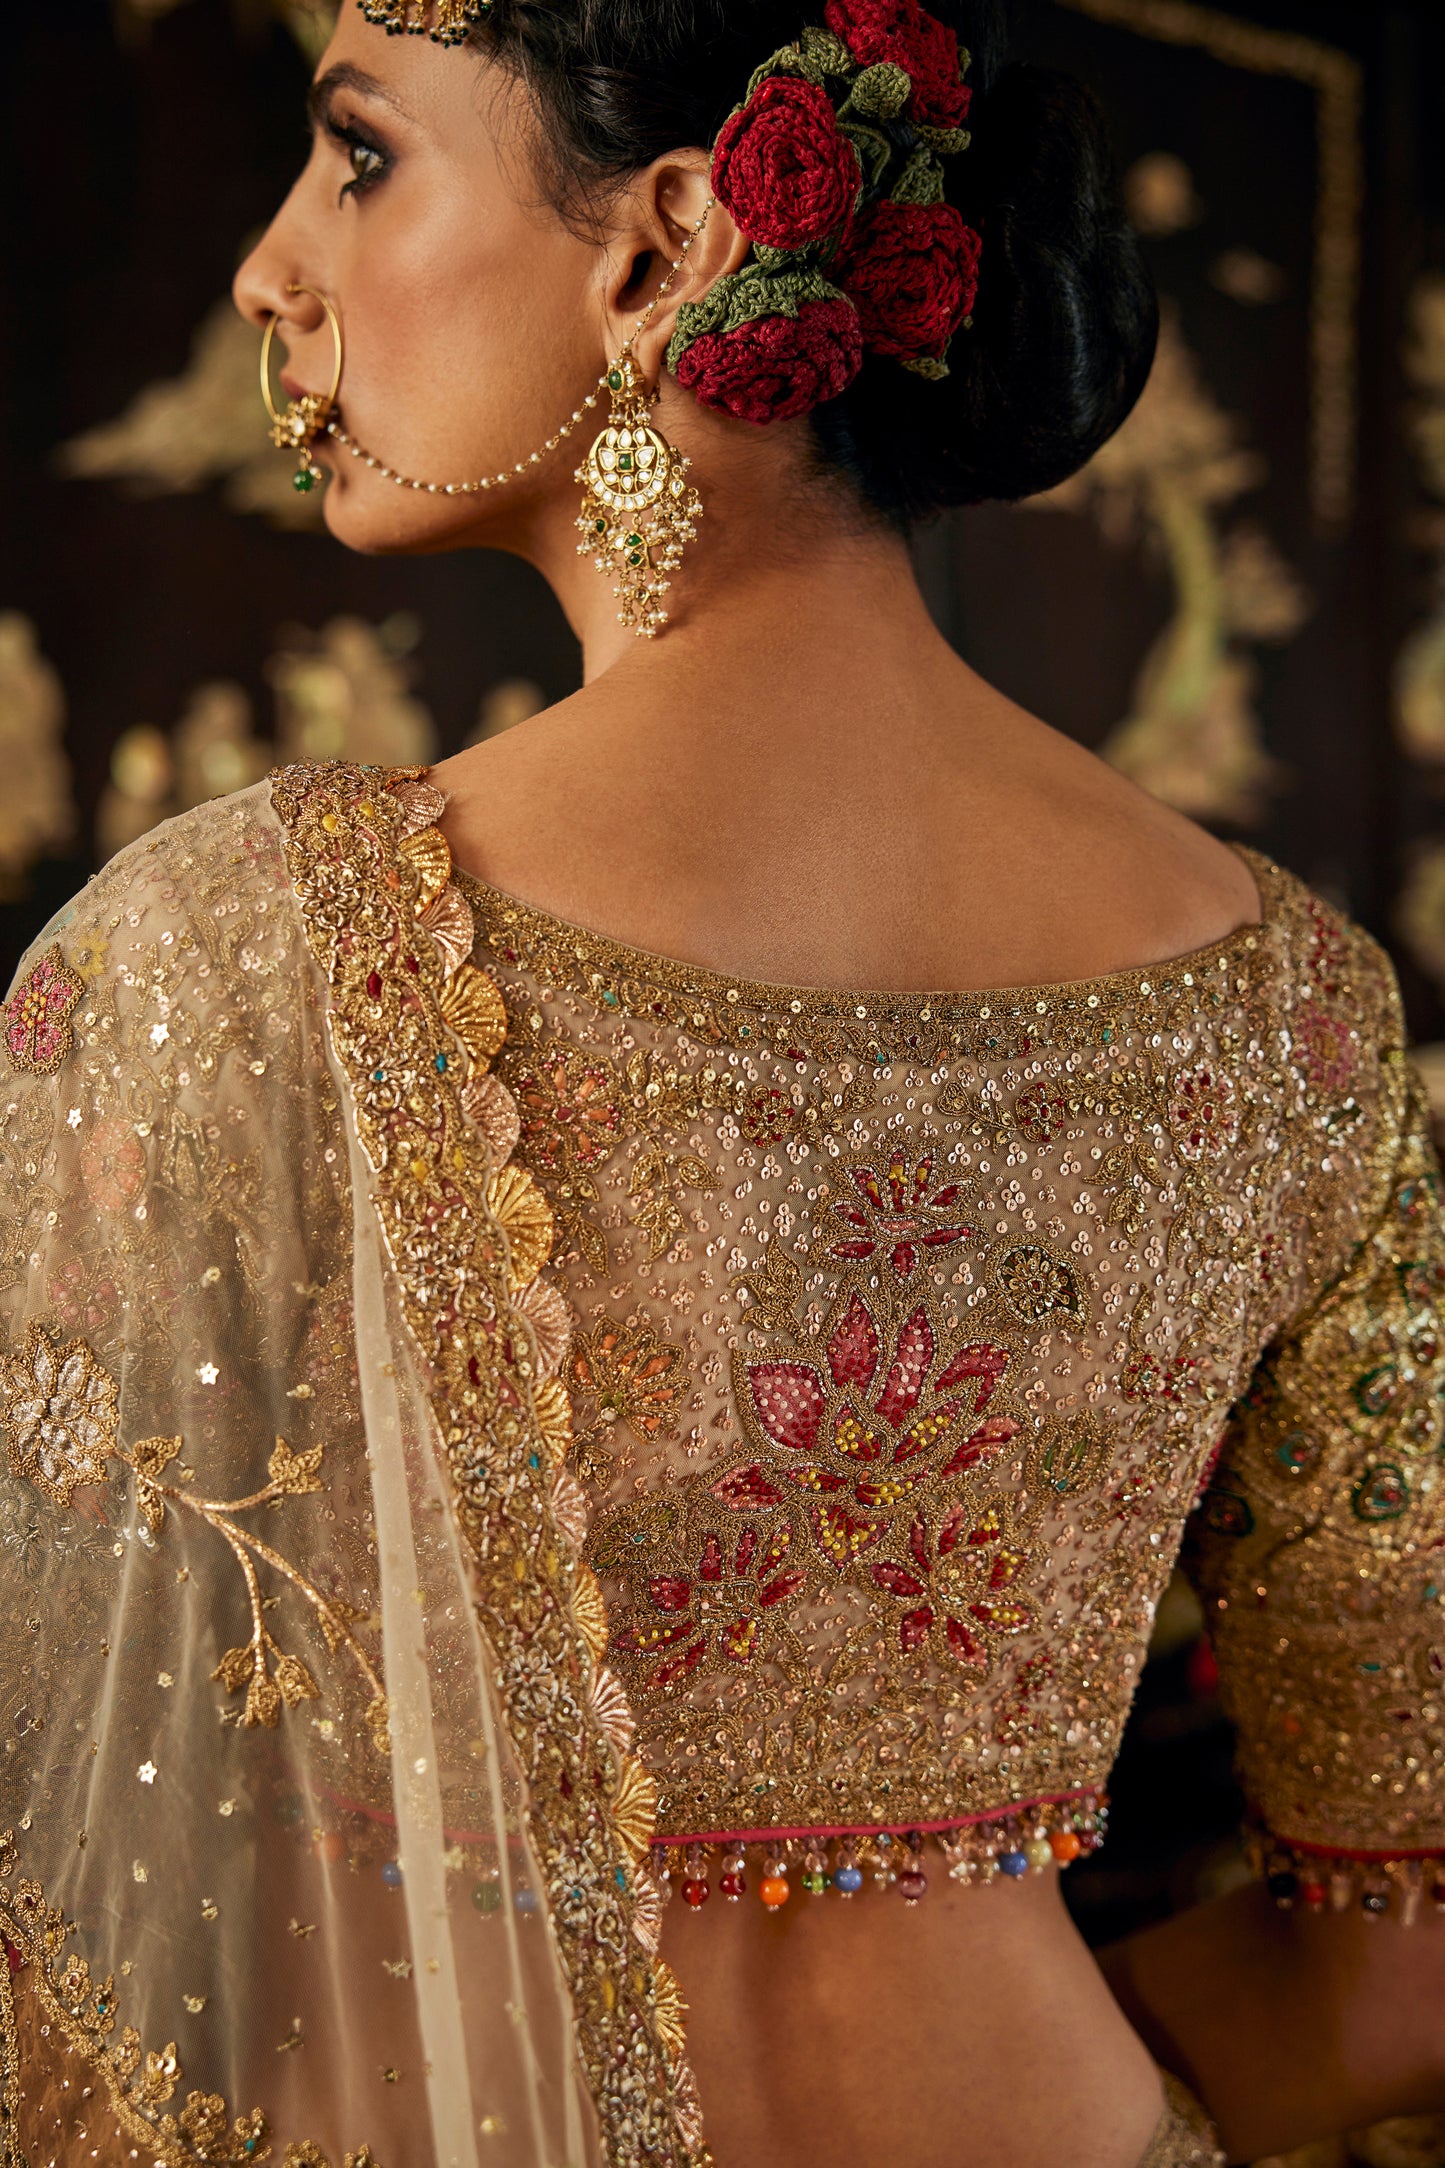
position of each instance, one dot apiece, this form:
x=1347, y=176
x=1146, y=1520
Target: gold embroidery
x=1122, y=1187
x=360, y=899
x=623, y=1373
x=61, y=1430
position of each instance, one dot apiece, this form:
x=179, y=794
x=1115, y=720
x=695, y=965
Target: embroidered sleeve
x=1319, y=1545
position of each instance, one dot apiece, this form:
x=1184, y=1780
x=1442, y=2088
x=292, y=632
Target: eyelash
x=355, y=143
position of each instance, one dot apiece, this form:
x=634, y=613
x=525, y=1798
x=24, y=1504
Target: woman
x=527, y=1395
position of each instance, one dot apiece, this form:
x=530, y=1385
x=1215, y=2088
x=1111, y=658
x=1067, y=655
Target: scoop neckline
x=627, y=962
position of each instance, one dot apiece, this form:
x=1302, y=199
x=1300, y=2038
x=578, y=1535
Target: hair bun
x=1064, y=325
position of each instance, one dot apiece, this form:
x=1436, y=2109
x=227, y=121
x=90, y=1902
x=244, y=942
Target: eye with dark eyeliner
x=369, y=162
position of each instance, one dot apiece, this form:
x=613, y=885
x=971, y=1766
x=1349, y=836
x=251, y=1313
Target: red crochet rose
x=905, y=33
x=911, y=269
x=776, y=366
x=783, y=167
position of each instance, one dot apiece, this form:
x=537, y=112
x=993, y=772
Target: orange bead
x=332, y=1845
x=1065, y=1845
x=774, y=1891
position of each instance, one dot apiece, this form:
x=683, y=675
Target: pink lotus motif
x=898, y=1217
x=719, y=1609
x=873, y=1429
x=957, y=1586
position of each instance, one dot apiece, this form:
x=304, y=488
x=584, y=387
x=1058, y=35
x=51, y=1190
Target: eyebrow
x=344, y=76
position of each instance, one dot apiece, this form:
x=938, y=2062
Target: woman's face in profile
x=474, y=320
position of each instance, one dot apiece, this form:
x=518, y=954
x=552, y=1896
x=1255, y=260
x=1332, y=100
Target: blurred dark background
x=1242, y=601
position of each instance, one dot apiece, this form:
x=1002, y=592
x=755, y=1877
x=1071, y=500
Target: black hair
x=1065, y=322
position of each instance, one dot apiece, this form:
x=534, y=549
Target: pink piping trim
x=874, y=1829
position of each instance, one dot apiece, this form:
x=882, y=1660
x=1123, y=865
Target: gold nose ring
x=297, y=429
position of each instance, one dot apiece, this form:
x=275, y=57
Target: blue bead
x=848, y=1879
x=621, y=1874
x=534, y=1460
x=1012, y=1863
x=527, y=1900
x=391, y=1873
x=441, y=1064
x=378, y=1076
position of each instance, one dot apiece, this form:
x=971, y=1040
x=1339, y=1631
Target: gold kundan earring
x=638, y=509
x=298, y=428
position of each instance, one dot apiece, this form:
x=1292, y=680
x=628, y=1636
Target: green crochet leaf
x=925, y=365
x=879, y=92
x=787, y=60
x=742, y=296
x=921, y=180
x=946, y=141
x=827, y=53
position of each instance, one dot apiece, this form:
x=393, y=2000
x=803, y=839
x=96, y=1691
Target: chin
x=381, y=521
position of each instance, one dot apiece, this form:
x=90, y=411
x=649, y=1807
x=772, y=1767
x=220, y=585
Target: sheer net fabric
x=241, y=1672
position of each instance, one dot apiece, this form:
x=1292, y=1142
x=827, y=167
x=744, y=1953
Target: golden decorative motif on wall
x=37, y=812
x=1336, y=79
x=1192, y=736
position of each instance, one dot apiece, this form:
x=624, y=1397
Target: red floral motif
x=721, y=1607
x=860, y=1454
x=1203, y=1114
x=1041, y=1112
x=957, y=1586
x=911, y=271
x=783, y=167
x=776, y=367
x=906, y=34
x=1326, y=1048
x=899, y=1217
x=37, y=1015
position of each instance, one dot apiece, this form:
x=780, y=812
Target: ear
x=647, y=232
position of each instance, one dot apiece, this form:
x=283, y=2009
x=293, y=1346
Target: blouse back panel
x=904, y=1330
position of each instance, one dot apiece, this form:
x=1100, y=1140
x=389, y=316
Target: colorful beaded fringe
x=1317, y=1878
x=1025, y=1840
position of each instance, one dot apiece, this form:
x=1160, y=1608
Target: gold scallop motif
x=492, y=1111
x=612, y=1710
x=429, y=851
x=421, y=803
x=545, y=1309
x=589, y=1611
x=634, y=1807
x=554, y=1419
x=569, y=1508
x=668, y=2007
x=647, y=1913
x=514, y=1199
x=472, y=1004
x=449, y=922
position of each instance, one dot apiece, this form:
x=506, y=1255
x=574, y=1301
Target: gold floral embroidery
x=61, y=1416
x=83, y=2014
x=623, y=1373
x=37, y=1029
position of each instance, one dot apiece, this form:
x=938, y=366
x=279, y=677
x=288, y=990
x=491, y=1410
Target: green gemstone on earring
x=624, y=462
x=633, y=541
x=634, y=557
x=599, y=526
x=303, y=479
x=614, y=380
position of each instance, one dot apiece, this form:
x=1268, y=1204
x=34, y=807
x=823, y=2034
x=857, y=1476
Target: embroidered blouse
x=908, y=1332
x=486, y=1413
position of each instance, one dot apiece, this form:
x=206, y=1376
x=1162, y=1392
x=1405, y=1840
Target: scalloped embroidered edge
x=504, y=1428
